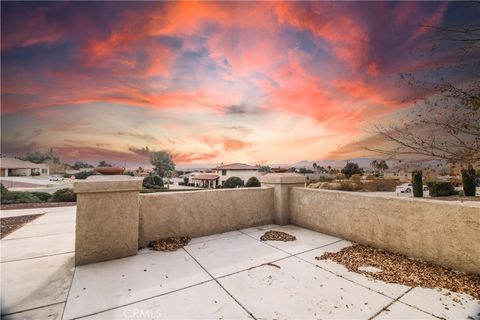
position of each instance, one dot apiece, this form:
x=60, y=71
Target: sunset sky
x=254, y=82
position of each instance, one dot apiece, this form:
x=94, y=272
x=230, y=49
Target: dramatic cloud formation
x=210, y=81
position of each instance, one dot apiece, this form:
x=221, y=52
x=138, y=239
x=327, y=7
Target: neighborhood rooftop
x=13, y=163
x=236, y=166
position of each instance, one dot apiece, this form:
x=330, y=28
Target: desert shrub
x=64, y=195
x=441, y=188
x=314, y=185
x=11, y=197
x=356, y=178
x=342, y=186
x=4, y=190
x=468, y=178
x=381, y=185
x=253, y=182
x=455, y=182
x=417, y=184
x=370, y=177
x=153, y=182
x=84, y=174
x=233, y=182
x=43, y=196
x=349, y=186
x=340, y=176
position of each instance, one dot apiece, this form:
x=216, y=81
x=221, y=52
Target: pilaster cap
x=114, y=183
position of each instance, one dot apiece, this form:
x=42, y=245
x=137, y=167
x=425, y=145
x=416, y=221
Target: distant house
x=204, y=179
x=241, y=170
x=16, y=167
x=397, y=175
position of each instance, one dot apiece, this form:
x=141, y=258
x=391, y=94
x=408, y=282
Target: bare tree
x=445, y=123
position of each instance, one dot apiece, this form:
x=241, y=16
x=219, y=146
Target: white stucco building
x=241, y=170
x=17, y=167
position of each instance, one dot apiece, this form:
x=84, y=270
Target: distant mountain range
x=338, y=164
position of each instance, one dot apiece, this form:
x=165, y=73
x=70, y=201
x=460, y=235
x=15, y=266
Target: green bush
x=19, y=197
x=468, y=178
x=84, y=174
x=35, y=174
x=129, y=173
x=43, y=196
x=252, y=182
x=233, y=182
x=4, y=190
x=153, y=182
x=441, y=189
x=64, y=195
x=417, y=184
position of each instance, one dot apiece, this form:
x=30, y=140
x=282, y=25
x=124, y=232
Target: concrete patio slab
x=299, y=290
x=443, y=303
x=228, y=255
x=399, y=310
x=102, y=286
x=56, y=217
x=20, y=212
x=306, y=239
x=35, y=283
x=44, y=229
x=53, y=312
x=390, y=289
x=26, y=248
x=203, y=301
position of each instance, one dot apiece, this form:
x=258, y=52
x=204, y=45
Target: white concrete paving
x=399, y=310
x=34, y=283
x=52, y=312
x=443, y=303
x=299, y=290
x=228, y=255
x=42, y=229
x=232, y=275
x=101, y=286
x=35, y=247
x=204, y=301
x=38, y=264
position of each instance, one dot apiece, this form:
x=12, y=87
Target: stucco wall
x=441, y=232
x=200, y=213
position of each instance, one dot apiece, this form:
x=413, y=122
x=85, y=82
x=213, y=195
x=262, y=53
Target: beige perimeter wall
x=441, y=232
x=200, y=213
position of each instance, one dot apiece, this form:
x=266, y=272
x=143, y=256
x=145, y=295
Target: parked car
x=407, y=188
x=55, y=178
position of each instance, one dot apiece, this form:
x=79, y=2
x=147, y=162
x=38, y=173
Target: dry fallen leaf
x=169, y=244
x=397, y=268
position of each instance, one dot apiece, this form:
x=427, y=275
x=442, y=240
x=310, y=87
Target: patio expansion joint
x=68, y=293
x=44, y=256
x=215, y=279
x=39, y=236
x=141, y=300
x=34, y=308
